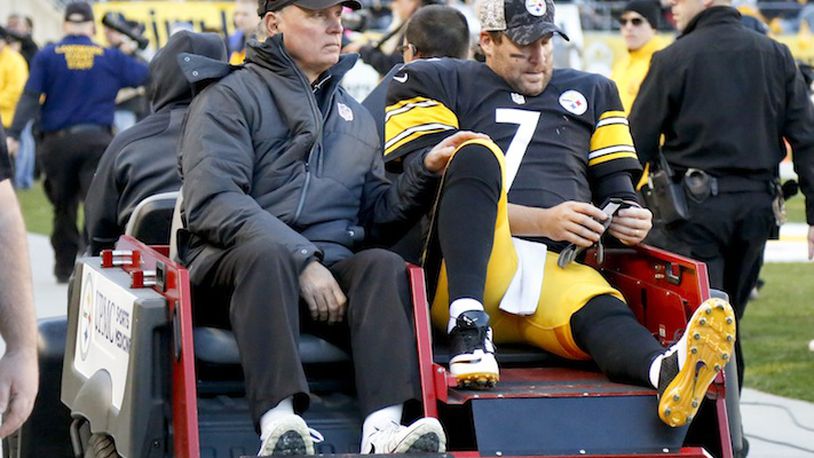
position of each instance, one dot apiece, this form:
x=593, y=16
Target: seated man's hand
x=436, y=160
x=631, y=225
x=322, y=293
x=574, y=222
x=18, y=388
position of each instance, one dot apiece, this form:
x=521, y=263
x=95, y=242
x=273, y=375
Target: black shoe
x=473, y=354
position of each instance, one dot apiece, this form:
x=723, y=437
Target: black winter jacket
x=141, y=161
x=267, y=156
x=725, y=97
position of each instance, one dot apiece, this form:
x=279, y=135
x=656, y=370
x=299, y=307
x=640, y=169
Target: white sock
x=284, y=408
x=379, y=420
x=459, y=306
x=655, y=366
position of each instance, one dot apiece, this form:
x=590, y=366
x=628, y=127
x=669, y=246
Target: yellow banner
x=162, y=17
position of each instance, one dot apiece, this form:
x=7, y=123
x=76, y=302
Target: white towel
x=524, y=290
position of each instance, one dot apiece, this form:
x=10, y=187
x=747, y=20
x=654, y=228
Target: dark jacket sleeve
x=650, y=111
x=798, y=129
x=27, y=108
x=380, y=60
x=218, y=166
x=388, y=210
x=102, y=203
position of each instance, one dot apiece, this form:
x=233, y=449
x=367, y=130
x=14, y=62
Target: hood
x=169, y=85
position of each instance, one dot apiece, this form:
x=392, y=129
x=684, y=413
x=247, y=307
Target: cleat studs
x=729, y=338
x=689, y=418
x=708, y=310
x=676, y=398
x=696, y=336
x=717, y=368
x=667, y=412
x=729, y=320
x=694, y=350
x=694, y=404
x=702, y=321
x=719, y=306
x=725, y=356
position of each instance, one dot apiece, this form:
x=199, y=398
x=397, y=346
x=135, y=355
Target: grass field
x=775, y=331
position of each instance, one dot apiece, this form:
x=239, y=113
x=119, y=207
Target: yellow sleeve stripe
x=611, y=157
x=613, y=120
x=612, y=114
x=413, y=133
x=411, y=119
x=611, y=150
x=401, y=103
x=611, y=135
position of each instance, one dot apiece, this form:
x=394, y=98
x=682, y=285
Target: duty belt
x=80, y=129
x=701, y=184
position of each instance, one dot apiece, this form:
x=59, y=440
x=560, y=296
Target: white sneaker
x=289, y=436
x=424, y=436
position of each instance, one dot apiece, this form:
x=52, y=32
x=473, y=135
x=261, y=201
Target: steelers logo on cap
x=536, y=7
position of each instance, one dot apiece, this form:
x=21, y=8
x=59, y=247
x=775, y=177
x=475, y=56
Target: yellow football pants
x=564, y=291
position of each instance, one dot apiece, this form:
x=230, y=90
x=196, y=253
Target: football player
x=508, y=208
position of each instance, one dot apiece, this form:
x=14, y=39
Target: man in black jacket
x=725, y=98
x=141, y=161
x=283, y=181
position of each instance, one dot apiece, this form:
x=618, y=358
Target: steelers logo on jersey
x=518, y=98
x=574, y=102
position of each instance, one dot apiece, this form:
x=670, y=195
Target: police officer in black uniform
x=79, y=80
x=725, y=98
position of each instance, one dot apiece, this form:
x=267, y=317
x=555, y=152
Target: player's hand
x=574, y=222
x=13, y=146
x=436, y=160
x=810, y=243
x=18, y=388
x=322, y=293
x=631, y=225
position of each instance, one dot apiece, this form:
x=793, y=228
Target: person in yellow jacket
x=638, y=27
x=13, y=74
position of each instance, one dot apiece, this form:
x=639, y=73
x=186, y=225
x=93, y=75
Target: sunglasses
x=636, y=21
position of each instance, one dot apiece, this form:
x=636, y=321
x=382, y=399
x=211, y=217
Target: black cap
x=277, y=5
x=649, y=9
x=524, y=21
x=78, y=12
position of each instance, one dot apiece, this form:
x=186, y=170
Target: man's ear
x=486, y=44
x=272, y=22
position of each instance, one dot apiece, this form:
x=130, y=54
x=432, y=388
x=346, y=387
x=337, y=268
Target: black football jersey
x=556, y=143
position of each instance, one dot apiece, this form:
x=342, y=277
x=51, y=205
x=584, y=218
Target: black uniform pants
x=69, y=161
x=728, y=232
x=261, y=283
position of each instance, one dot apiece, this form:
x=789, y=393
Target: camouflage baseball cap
x=524, y=21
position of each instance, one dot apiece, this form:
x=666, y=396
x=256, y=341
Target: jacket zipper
x=317, y=144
